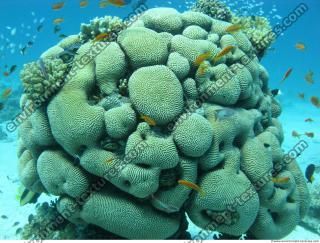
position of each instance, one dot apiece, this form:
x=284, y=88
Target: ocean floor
x=292, y=118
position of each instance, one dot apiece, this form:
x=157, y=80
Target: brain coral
x=115, y=142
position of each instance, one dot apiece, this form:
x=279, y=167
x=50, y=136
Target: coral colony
x=114, y=140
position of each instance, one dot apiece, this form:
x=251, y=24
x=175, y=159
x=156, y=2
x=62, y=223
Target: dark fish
x=23, y=50
x=30, y=43
x=275, y=92
x=13, y=68
x=62, y=36
x=28, y=197
x=4, y=217
x=56, y=29
x=309, y=173
x=43, y=68
x=15, y=224
x=225, y=113
x=1, y=108
x=18, y=231
x=40, y=27
x=30, y=218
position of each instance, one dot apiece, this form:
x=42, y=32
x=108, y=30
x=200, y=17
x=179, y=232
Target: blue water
x=27, y=13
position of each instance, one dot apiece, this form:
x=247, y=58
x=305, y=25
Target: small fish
x=62, y=36
x=103, y=4
x=287, y=74
x=4, y=216
x=1, y=106
x=234, y=28
x=309, y=134
x=116, y=3
x=58, y=6
x=281, y=180
x=315, y=101
x=300, y=46
x=309, y=172
x=84, y=3
x=301, y=96
x=201, y=58
x=166, y=207
x=276, y=92
x=13, y=68
x=30, y=43
x=15, y=224
x=6, y=93
x=109, y=160
x=40, y=27
x=225, y=113
x=23, y=50
x=101, y=37
x=6, y=74
x=295, y=134
x=30, y=218
x=56, y=29
x=223, y=52
x=43, y=69
x=148, y=120
x=308, y=120
x=28, y=196
x=18, y=231
x=192, y=186
x=203, y=68
x=309, y=77
x=13, y=31
x=58, y=20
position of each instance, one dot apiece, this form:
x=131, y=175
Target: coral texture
x=214, y=8
x=143, y=115
x=258, y=30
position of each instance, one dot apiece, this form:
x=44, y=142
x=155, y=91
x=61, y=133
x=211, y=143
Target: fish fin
x=28, y=197
x=312, y=179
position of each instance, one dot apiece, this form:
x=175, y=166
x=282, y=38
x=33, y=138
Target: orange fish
x=6, y=74
x=192, y=186
x=58, y=20
x=309, y=77
x=6, y=93
x=103, y=4
x=234, y=28
x=101, y=37
x=222, y=53
x=315, y=101
x=57, y=6
x=148, y=120
x=309, y=134
x=109, y=160
x=287, y=74
x=201, y=58
x=309, y=120
x=84, y=3
x=300, y=46
x=116, y=3
x=203, y=68
x=295, y=134
x=281, y=180
x=301, y=96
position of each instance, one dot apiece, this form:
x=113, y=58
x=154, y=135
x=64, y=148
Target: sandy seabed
x=292, y=118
